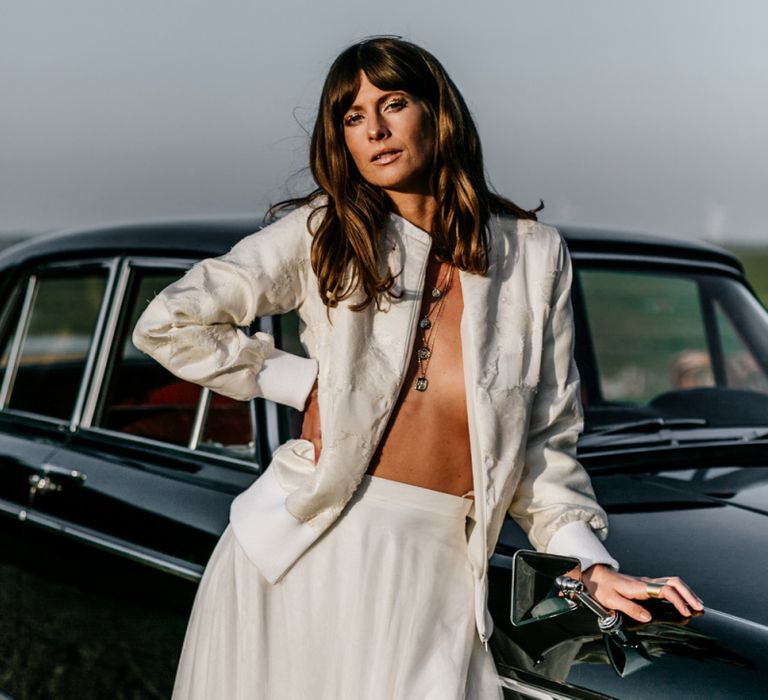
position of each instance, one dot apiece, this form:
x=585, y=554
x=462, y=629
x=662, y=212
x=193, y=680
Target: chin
x=410, y=183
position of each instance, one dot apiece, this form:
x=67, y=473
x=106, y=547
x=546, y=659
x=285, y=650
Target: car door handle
x=41, y=484
x=50, y=478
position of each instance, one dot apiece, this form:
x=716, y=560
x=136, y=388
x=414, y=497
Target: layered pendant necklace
x=428, y=329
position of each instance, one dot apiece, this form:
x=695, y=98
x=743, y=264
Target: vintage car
x=116, y=477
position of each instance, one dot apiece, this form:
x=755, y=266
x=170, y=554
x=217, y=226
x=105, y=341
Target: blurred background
x=648, y=116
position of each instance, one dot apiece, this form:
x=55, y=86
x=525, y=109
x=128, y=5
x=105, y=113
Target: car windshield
x=667, y=348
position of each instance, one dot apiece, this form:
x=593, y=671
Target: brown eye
x=396, y=104
x=352, y=119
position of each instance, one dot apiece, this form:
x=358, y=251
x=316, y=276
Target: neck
x=419, y=209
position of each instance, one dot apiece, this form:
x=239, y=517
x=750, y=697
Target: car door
x=50, y=319
x=135, y=472
x=161, y=459
x=45, y=356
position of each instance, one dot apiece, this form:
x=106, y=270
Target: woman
x=436, y=316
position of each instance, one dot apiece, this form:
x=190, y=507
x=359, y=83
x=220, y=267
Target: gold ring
x=653, y=589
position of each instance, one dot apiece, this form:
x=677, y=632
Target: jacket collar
x=402, y=228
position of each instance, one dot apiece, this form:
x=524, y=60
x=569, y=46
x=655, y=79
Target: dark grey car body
x=107, y=521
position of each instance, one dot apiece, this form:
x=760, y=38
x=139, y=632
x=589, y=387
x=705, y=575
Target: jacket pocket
x=293, y=464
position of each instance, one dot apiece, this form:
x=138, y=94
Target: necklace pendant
x=422, y=384
x=425, y=324
x=423, y=353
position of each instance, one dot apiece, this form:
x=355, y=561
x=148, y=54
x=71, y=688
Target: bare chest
x=427, y=439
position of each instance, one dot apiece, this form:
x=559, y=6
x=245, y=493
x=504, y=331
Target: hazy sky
x=648, y=114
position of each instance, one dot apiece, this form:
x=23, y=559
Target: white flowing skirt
x=379, y=608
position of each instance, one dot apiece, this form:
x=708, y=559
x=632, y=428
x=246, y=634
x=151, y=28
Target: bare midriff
x=426, y=442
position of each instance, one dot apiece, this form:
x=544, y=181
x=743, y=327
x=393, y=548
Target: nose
x=377, y=129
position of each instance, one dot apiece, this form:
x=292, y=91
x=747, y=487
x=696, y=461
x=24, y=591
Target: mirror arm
x=607, y=620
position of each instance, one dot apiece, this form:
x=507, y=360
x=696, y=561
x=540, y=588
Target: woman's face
x=390, y=137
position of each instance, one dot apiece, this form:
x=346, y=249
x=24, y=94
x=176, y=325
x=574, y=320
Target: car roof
x=200, y=237
x=617, y=241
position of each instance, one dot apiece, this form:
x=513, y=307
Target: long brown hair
x=346, y=247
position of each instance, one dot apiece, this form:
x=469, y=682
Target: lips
x=386, y=156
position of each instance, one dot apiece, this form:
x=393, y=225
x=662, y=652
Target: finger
x=670, y=593
x=633, y=610
x=682, y=589
x=686, y=593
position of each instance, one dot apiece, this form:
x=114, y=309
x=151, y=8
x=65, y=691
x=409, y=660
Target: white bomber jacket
x=522, y=386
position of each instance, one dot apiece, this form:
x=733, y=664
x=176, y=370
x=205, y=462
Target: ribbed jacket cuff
x=577, y=539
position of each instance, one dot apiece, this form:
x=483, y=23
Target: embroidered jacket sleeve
x=194, y=327
x=554, y=502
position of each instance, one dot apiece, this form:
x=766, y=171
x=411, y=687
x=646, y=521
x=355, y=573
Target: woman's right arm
x=194, y=326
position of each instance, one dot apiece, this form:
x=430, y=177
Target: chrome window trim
x=145, y=262
x=116, y=297
x=201, y=414
x=267, y=325
x=251, y=465
x=60, y=423
x=273, y=423
x=201, y=417
x=6, y=315
x=18, y=340
x=96, y=343
x=257, y=441
x=129, y=268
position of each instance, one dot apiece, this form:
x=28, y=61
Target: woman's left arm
x=554, y=502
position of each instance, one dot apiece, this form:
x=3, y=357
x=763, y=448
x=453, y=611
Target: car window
x=144, y=399
x=54, y=343
x=229, y=427
x=647, y=332
x=666, y=342
x=742, y=368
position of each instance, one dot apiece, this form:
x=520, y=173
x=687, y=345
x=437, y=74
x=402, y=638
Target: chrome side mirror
x=545, y=585
x=535, y=593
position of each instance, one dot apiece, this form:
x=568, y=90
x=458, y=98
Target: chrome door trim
x=13, y=509
x=143, y=555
